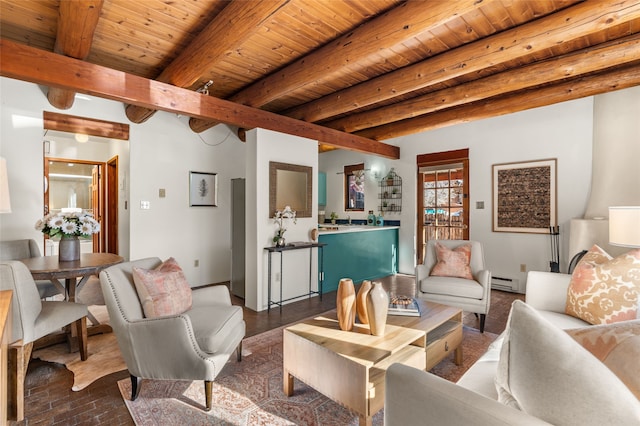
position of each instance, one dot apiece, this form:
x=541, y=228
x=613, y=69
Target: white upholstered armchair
x=194, y=345
x=468, y=295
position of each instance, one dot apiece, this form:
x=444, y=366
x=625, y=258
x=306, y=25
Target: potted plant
x=280, y=218
x=333, y=217
x=68, y=226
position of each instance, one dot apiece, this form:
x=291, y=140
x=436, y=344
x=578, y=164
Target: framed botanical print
x=203, y=189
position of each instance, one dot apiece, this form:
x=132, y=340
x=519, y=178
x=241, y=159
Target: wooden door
x=443, y=198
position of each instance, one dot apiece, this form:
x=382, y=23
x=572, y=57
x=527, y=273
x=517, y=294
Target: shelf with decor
x=390, y=194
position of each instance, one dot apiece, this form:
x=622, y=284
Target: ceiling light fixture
x=81, y=137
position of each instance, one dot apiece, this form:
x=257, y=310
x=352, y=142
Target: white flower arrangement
x=68, y=224
x=280, y=218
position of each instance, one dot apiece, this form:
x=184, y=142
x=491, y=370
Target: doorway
x=443, y=198
x=81, y=184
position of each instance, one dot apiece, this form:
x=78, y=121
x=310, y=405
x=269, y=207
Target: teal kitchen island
x=358, y=252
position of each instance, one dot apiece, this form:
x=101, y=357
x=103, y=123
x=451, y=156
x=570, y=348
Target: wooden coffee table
x=348, y=366
x=443, y=326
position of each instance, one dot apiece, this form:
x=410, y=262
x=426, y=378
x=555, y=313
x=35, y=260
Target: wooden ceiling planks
x=476, y=41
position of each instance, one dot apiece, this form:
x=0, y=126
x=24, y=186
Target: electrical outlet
x=196, y=263
x=523, y=267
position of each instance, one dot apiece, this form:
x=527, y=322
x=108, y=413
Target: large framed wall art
x=203, y=189
x=525, y=196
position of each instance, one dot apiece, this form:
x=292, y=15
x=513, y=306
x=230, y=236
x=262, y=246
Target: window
x=354, y=187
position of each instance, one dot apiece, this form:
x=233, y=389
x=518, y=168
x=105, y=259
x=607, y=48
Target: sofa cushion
x=547, y=374
x=162, y=291
x=605, y=290
x=453, y=262
x=617, y=346
x=214, y=325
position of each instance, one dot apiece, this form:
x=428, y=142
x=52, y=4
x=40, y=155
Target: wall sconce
x=5, y=201
x=624, y=226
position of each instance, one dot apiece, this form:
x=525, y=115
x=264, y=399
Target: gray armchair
x=468, y=295
x=24, y=249
x=192, y=346
x=31, y=319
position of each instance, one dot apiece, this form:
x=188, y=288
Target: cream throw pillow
x=545, y=373
x=605, y=290
x=164, y=290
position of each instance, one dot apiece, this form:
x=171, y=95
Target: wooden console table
x=5, y=337
x=296, y=246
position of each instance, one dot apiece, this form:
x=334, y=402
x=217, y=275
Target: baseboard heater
x=505, y=284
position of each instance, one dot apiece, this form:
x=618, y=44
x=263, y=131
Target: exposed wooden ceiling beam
x=236, y=23
x=76, y=26
x=619, y=78
x=38, y=66
x=592, y=59
x=88, y=126
x=404, y=22
x=569, y=24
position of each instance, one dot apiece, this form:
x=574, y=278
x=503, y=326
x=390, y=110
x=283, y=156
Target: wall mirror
x=290, y=185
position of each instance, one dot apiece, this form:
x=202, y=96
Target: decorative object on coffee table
x=346, y=304
x=377, y=307
x=361, y=301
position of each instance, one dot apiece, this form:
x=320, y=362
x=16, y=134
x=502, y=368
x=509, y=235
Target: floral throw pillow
x=605, y=290
x=164, y=290
x=453, y=263
x=617, y=346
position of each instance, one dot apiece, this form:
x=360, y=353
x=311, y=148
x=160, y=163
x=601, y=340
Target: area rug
x=250, y=392
x=104, y=355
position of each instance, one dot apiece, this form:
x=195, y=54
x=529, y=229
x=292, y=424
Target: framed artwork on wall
x=203, y=189
x=525, y=196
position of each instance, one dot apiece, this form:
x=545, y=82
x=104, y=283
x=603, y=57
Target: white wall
x=264, y=146
x=162, y=152
x=562, y=131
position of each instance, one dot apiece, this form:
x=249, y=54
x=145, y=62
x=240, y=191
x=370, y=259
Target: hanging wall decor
x=203, y=189
x=524, y=196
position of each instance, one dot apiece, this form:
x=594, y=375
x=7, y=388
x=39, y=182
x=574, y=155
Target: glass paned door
x=443, y=201
x=443, y=198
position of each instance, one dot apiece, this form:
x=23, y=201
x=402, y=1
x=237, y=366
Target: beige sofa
x=414, y=397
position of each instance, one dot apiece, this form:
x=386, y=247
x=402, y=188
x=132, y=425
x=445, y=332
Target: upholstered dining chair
x=193, y=345
x=24, y=249
x=31, y=319
x=472, y=294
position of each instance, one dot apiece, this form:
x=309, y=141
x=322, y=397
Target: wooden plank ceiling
x=360, y=69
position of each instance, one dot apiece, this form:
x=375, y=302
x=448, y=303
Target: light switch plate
x=479, y=205
x=161, y=193
x=145, y=205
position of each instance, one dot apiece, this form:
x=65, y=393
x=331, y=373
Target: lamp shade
x=624, y=226
x=5, y=201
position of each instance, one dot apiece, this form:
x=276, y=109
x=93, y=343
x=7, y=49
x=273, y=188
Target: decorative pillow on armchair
x=453, y=263
x=605, y=290
x=164, y=290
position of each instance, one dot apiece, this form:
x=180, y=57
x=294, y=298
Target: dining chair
x=31, y=319
x=24, y=249
x=471, y=294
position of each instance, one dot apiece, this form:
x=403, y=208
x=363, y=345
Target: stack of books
x=404, y=305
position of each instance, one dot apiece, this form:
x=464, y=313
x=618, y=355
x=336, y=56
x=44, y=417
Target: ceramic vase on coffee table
x=346, y=304
x=377, y=308
x=361, y=301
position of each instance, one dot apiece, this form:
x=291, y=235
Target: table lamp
x=624, y=226
x=5, y=201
